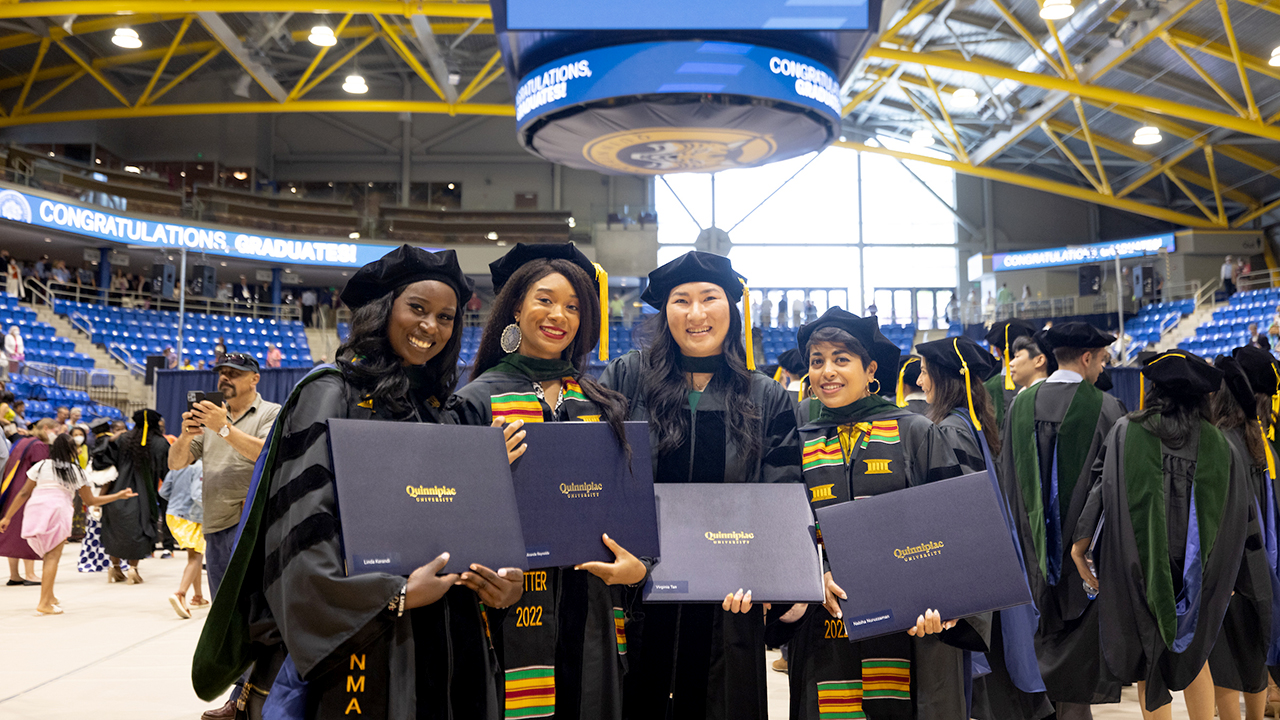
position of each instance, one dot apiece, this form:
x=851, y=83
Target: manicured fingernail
x=606, y=536
x=445, y=556
x=839, y=613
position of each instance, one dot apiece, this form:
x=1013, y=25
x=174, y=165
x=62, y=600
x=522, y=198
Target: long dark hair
x=1180, y=415
x=667, y=390
x=1229, y=415
x=949, y=394
x=66, y=463
x=369, y=362
x=612, y=404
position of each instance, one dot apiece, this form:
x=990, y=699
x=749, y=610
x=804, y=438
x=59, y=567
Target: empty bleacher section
x=1156, y=319
x=285, y=214
x=148, y=332
x=44, y=396
x=41, y=341
x=93, y=184
x=460, y=226
x=1230, y=325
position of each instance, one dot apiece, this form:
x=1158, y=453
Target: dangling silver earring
x=510, y=340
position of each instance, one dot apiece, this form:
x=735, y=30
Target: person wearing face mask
x=297, y=620
x=961, y=408
x=78, y=435
x=711, y=419
x=852, y=434
x=530, y=368
x=25, y=453
x=130, y=530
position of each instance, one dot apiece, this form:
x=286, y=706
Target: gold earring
x=877, y=390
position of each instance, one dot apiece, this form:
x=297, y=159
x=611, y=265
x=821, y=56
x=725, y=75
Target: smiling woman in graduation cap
x=1174, y=503
x=286, y=605
x=711, y=420
x=530, y=368
x=859, y=444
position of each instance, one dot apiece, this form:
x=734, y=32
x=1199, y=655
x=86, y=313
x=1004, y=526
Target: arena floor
x=119, y=651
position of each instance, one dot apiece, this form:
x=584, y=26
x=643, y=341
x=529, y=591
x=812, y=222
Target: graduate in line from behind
x=562, y=648
x=1002, y=388
x=859, y=444
x=1011, y=688
x=712, y=419
x=909, y=394
x=1171, y=512
x=286, y=605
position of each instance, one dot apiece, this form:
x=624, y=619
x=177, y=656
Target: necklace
x=695, y=387
x=537, y=390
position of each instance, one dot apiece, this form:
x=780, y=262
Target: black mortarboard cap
x=1008, y=331
x=1257, y=365
x=504, y=267
x=793, y=362
x=693, y=266
x=867, y=331
x=1078, y=335
x=1103, y=382
x=947, y=355
x=1182, y=374
x=1237, y=381
x=909, y=369
x=404, y=266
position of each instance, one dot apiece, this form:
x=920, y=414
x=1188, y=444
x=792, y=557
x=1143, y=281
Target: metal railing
x=1206, y=293
x=128, y=299
x=1257, y=280
x=122, y=354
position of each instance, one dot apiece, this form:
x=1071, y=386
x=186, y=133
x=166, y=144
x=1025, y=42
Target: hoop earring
x=877, y=390
x=510, y=339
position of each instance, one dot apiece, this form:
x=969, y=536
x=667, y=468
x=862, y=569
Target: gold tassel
x=1008, y=376
x=602, y=279
x=902, y=382
x=1142, y=392
x=968, y=386
x=804, y=385
x=777, y=375
x=1275, y=409
x=144, y=429
x=1271, y=460
x=746, y=324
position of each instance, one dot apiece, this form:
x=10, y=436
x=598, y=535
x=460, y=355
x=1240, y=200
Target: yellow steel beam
x=1044, y=127
x=248, y=108
x=164, y=61
x=924, y=6
x=1092, y=92
x=102, y=63
x=493, y=59
x=1062, y=50
x=407, y=55
x=1217, y=187
x=1026, y=35
x=302, y=81
x=937, y=95
x=497, y=73
x=1205, y=76
x=93, y=72
x=1192, y=197
x=186, y=73
x=929, y=118
x=404, y=8
x=31, y=76
x=1223, y=52
x=1104, y=186
x=1237, y=59
x=867, y=92
x=1259, y=212
x=59, y=88
x=56, y=32
x=1269, y=5
x=1035, y=183
x=346, y=57
x=1143, y=41
x=1157, y=168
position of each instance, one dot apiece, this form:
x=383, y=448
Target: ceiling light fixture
x=354, y=236
x=1057, y=10
x=573, y=223
x=127, y=38
x=450, y=186
x=1275, y=58
x=922, y=138
x=323, y=36
x=492, y=235
x=1147, y=135
x=964, y=98
x=355, y=85
x=240, y=175
x=133, y=169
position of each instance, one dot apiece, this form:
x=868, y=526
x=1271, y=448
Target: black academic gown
x=1068, y=645
x=1135, y=648
x=1001, y=397
x=924, y=678
x=690, y=662
x=1239, y=657
x=566, y=619
x=129, y=527
x=287, y=584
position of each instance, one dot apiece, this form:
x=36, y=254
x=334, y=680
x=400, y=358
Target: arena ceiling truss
x=995, y=90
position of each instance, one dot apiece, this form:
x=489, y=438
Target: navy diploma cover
x=719, y=537
x=943, y=546
x=410, y=491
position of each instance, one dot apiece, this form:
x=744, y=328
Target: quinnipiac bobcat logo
x=655, y=151
x=14, y=207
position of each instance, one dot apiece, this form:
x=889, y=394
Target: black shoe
x=15, y=583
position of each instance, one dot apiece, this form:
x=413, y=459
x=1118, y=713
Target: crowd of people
x=1147, y=537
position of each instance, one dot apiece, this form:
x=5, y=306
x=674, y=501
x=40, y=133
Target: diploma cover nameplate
x=410, y=491
x=719, y=537
x=574, y=483
x=942, y=546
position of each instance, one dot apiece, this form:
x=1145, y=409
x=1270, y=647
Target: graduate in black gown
x=711, y=420
x=909, y=394
x=859, y=444
x=1031, y=361
x=562, y=647
x=140, y=457
x=791, y=370
x=1010, y=686
x=323, y=644
x=1050, y=439
x=1002, y=388
x=1171, y=513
